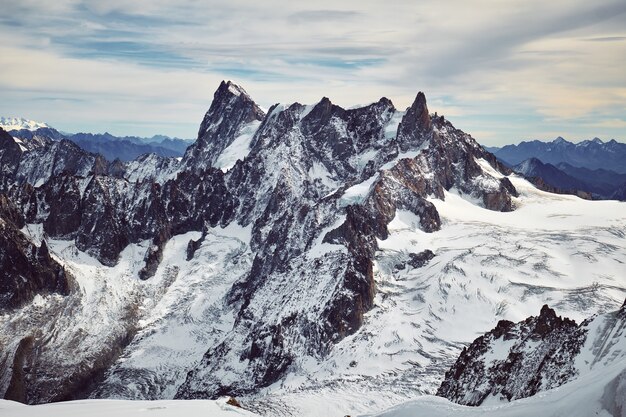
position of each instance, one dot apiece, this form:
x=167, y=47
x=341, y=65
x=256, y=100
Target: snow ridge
x=19, y=123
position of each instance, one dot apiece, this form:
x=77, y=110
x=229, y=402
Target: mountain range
x=564, y=178
x=591, y=154
x=307, y=260
x=124, y=148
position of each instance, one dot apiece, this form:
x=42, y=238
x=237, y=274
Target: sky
x=501, y=70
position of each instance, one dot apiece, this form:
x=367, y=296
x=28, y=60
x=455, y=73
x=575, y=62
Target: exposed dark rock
x=535, y=354
x=9, y=212
x=416, y=126
x=233, y=401
x=192, y=247
x=27, y=270
x=16, y=391
x=10, y=156
x=418, y=260
x=63, y=198
x=101, y=231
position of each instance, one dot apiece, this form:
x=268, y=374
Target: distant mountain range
x=124, y=148
x=591, y=154
x=564, y=178
x=590, y=169
x=127, y=148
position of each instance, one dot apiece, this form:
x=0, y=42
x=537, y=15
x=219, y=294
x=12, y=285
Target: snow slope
x=175, y=315
x=118, y=408
x=600, y=393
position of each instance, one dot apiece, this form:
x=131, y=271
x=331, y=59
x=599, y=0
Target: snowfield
x=121, y=408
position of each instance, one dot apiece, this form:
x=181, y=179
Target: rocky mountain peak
x=420, y=109
x=416, y=124
x=231, y=111
x=548, y=321
x=547, y=313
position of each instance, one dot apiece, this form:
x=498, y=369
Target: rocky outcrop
x=10, y=155
x=518, y=360
x=27, y=269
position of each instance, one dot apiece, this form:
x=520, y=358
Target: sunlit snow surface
x=177, y=313
x=17, y=123
x=117, y=408
x=239, y=149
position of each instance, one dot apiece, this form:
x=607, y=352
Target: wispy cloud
x=321, y=15
x=607, y=39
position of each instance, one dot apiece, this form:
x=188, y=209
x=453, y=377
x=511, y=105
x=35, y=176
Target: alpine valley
x=309, y=260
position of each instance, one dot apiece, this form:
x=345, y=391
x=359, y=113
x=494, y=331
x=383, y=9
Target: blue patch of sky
x=338, y=63
x=131, y=20
x=138, y=52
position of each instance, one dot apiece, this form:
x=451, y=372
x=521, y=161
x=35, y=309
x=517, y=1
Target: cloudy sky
x=503, y=71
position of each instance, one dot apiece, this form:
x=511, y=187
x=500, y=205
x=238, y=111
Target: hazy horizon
x=503, y=72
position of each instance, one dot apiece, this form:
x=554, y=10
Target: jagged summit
x=232, y=111
x=233, y=88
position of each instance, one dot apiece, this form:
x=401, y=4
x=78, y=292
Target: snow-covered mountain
x=19, y=123
x=305, y=258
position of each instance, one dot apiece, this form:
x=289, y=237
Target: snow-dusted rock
x=518, y=360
